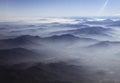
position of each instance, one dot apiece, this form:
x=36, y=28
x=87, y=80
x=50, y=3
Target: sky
x=58, y=8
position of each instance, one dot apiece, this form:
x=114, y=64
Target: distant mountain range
x=116, y=23
x=89, y=31
x=106, y=44
x=107, y=22
x=18, y=55
x=36, y=40
x=101, y=22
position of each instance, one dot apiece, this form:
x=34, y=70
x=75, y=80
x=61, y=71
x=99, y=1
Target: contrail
x=103, y=8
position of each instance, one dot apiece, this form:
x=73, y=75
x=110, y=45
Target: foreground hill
x=43, y=73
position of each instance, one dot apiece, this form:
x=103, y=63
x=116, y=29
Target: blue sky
x=53, y=8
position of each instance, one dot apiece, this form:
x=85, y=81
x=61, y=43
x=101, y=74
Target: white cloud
x=40, y=20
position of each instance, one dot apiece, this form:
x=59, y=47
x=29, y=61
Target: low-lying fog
x=91, y=43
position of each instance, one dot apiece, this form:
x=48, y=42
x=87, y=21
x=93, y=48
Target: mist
x=82, y=42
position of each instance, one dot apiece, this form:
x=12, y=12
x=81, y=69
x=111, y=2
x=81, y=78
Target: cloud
x=36, y=20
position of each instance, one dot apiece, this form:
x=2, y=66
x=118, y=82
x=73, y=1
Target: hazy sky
x=33, y=8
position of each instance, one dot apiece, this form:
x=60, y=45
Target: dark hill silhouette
x=16, y=55
x=44, y=73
